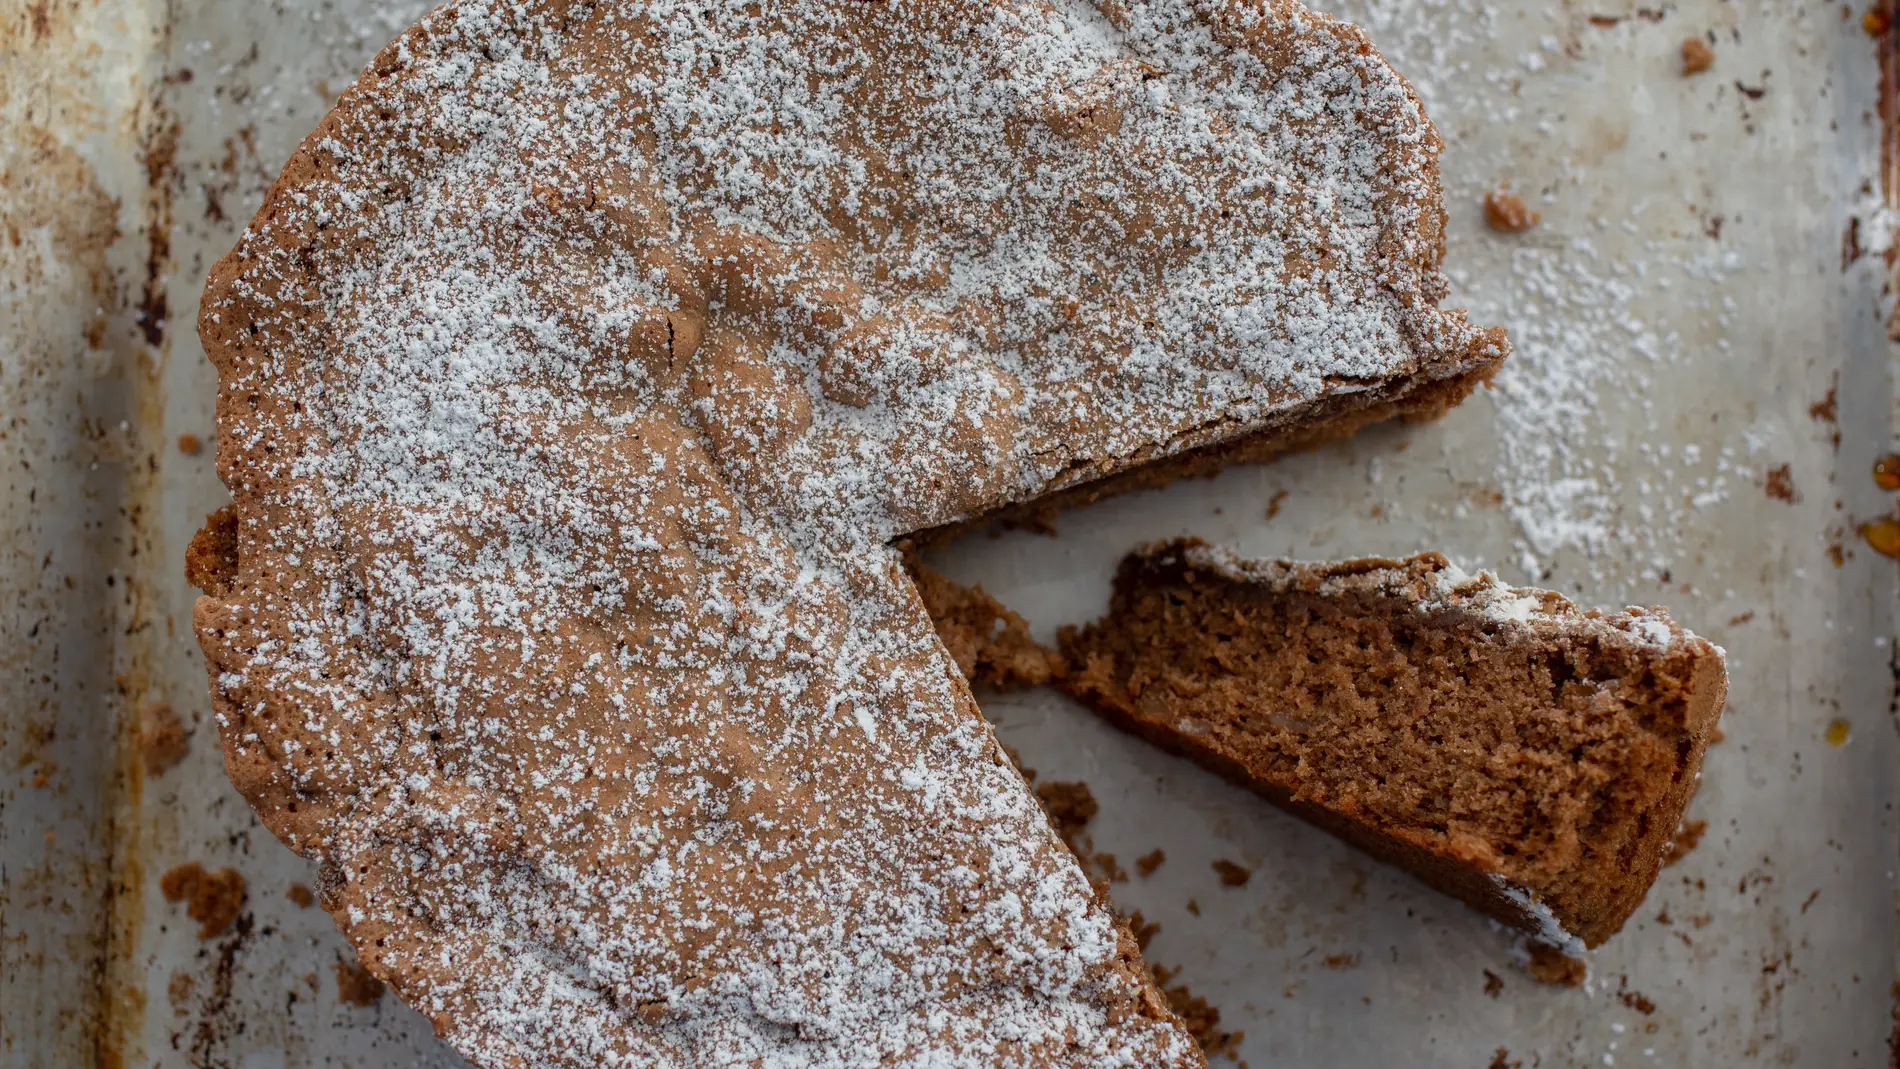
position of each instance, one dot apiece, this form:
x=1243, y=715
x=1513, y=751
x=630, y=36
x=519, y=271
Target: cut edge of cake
x=1640, y=749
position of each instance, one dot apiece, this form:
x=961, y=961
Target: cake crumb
x=1779, y=484
x=1507, y=213
x=1201, y=1018
x=1232, y=875
x=356, y=986
x=1548, y=965
x=990, y=643
x=1340, y=961
x=1635, y=1000
x=1142, y=929
x=1147, y=863
x=162, y=739
x=213, y=899
x=1687, y=837
x=1274, y=503
x=1070, y=806
x=1697, y=57
x=190, y=444
x=1194, y=906
x=301, y=895
x=1502, y=1059
x=1493, y=984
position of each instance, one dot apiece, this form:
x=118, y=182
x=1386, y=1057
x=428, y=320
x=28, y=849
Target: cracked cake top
x=576, y=376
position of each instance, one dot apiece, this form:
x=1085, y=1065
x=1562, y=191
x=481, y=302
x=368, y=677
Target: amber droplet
x=1883, y=535
x=1887, y=472
x=1876, y=22
x=1837, y=731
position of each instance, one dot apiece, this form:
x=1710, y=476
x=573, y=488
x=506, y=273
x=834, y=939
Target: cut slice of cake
x=1506, y=746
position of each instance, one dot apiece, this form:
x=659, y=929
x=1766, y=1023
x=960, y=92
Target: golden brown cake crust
x=577, y=376
x=1510, y=749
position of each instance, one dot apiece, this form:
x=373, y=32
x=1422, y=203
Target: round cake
x=578, y=375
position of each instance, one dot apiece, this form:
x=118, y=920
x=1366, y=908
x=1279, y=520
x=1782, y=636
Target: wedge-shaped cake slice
x=1511, y=749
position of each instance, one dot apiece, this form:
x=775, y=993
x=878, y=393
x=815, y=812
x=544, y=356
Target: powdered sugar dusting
x=574, y=382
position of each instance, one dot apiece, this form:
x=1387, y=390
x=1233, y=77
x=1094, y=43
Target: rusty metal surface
x=1701, y=305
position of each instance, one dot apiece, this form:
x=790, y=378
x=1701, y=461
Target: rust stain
x=1881, y=20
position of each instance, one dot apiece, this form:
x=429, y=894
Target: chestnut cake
x=577, y=379
x=1517, y=752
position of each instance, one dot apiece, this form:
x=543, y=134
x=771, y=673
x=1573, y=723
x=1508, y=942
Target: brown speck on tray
x=1147, y=863
x=301, y=896
x=1637, y=1001
x=1194, y=907
x=355, y=986
x=1507, y=213
x=1697, y=57
x=1493, y=984
x=1548, y=965
x=162, y=739
x=1274, y=503
x=1688, y=837
x=1501, y=1059
x=1779, y=484
x=190, y=444
x=1232, y=875
x=213, y=899
x=1741, y=618
x=1340, y=961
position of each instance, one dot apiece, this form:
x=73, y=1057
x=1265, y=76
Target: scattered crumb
x=1637, y=1001
x=1194, y=907
x=1548, y=965
x=1274, y=503
x=301, y=895
x=1340, y=961
x=1697, y=57
x=991, y=644
x=1688, y=836
x=1070, y=807
x=1142, y=929
x=1232, y=875
x=189, y=444
x=1493, y=983
x=1199, y=1016
x=1107, y=867
x=1507, y=213
x=1503, y=1060
x=162, y=739
x=213, y=899
x=355, y=986
x=1779, y=484
x=1147, y=863
x=1741, y=618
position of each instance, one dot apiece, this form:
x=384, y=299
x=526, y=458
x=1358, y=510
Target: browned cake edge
x=1330, y=419
x=1438, y=863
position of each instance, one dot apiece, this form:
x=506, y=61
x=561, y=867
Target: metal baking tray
x=1704, y=379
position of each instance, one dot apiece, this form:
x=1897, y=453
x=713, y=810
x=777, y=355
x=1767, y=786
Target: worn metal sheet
x=1701, y=306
